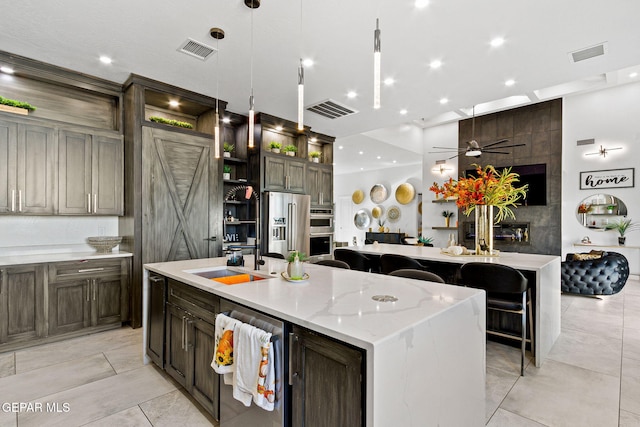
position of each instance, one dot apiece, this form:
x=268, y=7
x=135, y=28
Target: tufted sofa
x=605, y=275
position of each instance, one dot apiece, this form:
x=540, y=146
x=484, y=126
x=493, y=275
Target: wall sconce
x=603, y=151
x=441, y=167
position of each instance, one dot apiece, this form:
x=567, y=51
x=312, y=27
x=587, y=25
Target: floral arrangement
x=489, y=187
x=584, y=208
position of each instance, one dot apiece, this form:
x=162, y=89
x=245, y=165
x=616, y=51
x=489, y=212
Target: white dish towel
x=223, y=356
x=254, y=363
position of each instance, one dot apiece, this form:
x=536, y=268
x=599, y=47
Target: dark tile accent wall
x=539, y=127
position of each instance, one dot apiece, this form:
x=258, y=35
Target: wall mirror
x=598, y=210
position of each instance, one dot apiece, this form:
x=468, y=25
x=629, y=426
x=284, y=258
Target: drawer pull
x=89, y=270
x=156, y=279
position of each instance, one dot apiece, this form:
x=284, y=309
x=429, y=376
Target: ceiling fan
x=474, y=149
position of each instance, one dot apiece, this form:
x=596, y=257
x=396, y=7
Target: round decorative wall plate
x=357, y=197
x=362, y=219
x=378, y=193
x=393, y=214
x=377, y=212
x=405, y=193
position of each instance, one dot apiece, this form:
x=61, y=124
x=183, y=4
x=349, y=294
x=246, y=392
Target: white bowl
x=104, y=244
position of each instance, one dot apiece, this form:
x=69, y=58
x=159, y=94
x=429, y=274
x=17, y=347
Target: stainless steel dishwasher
x=232, y=412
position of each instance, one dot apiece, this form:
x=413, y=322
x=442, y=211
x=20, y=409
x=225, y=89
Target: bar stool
x=417, y=274
x=392, y=262
x=507, y=291
x=333, y=263
x=356, y=260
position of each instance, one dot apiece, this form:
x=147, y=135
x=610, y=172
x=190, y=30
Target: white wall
x=611, y=117
x=22, y=235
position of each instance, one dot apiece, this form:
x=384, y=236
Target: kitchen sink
x=225, y=276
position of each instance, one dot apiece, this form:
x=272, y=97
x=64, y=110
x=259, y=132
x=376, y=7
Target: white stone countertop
x=336, y=302
x=58, y=257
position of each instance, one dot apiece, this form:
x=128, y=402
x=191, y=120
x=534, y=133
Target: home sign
x=612, y=178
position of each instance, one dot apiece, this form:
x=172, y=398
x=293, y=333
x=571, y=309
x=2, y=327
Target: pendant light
x=300, y=81
x=376, y=66
x=217, y=34
x=252, y=4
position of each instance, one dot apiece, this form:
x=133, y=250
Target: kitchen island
x=543, y=272
x=424, y=354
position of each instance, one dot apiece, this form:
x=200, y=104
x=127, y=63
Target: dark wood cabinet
x=156, y=319
x=189, y=341
x=90, y=170
x=284, y=174
x=85, y=294
x=327, y=386
x=320, y=185
x=22, y=311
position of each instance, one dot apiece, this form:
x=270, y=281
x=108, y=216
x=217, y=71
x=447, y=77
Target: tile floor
x=591, y=378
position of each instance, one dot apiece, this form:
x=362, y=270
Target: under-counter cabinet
x=22, y=313
x=284, y=174
x=27, y=168
x=86, y=294
x=326, y=379
x=90, y=171
x=155, y=319
x=190, y=338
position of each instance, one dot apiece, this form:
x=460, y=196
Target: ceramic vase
x=226, y=154
x=484, y=229
x=621, y=240
x=447, y=221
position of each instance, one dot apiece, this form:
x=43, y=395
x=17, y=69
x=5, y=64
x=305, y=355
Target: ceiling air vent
x=196, y=49
x=331, y=109
x=590, y=52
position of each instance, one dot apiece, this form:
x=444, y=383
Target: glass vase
x=484, y=229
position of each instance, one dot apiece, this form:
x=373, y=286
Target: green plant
x=171, y=122
x=447, y=214
x=292, y=256
x=228, y=147
x=226, y=169
x=14, y=103
x=275, y=144
x=623, y=225
x=315, y=154
x=290, y=149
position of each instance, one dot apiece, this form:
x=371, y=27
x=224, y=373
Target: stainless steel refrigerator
x=286, y=223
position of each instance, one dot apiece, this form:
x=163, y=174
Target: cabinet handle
x=1, y=280
x=95, y=285
x=321, y=198
x=88, y=202
x=286, y=182
x=89, y=270
x=186, y=335
x=13, y=200
x=292, y=338
x=95, y=203
x=156, y=279
x=184, y=319
x=19, y=200
x=88, y=288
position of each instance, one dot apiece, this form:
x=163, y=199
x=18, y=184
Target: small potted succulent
x=622, y=226
x=447, y=218
x=425, y=241
x=226, y=172
x=290, y=150
x=228, y=148
x=295, y=269
x=275, y=146
x=315, y=156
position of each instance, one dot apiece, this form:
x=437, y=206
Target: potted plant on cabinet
x=622, y=226
x=315, y=156
x=226, y=172
x=290, y=150
x=171, y=122
x=275, y=146
x=228, y=148
x=447, y=218
x=13, y=106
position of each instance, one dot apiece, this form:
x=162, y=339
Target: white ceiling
x=142, y=37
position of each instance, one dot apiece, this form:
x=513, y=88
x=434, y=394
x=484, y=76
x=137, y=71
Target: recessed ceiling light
x=389, y=81
x=7, y=70
x=361, y=169
x=351, y=94
x=394, y=161
x=435, y=64
x=421, y=3
x=340, y=147
x=361, y=152
x=173, y=103
x=226, y=120
x=498, y=41
x=443, y=101
x=378, y=157
x=278, y=128
x=509, y=82
x=313, y=139
x=403, y=111
x=105, y=59
x=307, y=62
x=633, y=75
